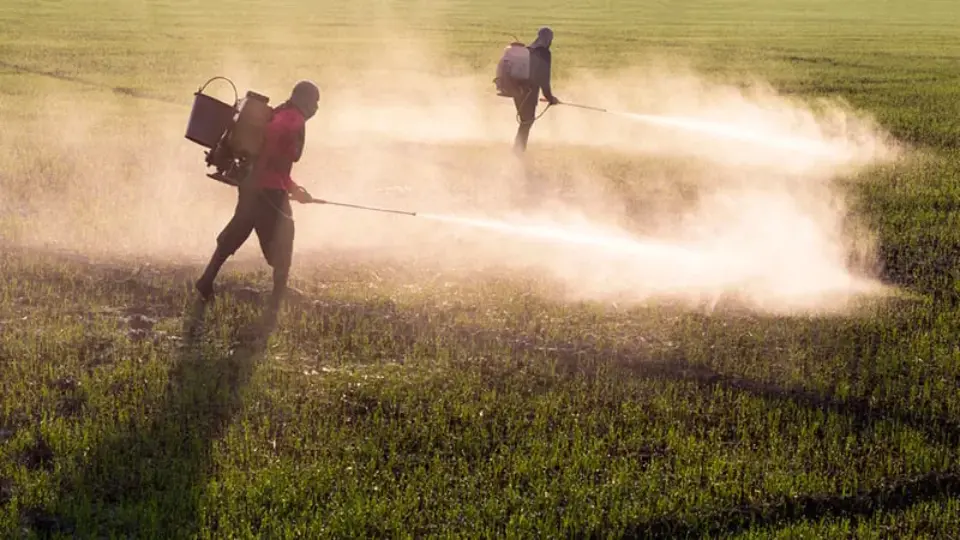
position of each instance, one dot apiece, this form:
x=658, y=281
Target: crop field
x=796, y=375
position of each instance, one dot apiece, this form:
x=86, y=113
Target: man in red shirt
x=263, y=204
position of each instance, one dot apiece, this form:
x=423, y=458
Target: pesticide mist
x=690, y=190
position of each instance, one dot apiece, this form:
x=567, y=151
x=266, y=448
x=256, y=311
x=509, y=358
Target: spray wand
x=321, y=201
x=578, y=106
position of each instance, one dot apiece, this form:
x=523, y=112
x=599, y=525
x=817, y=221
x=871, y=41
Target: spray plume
x=726, y=131
x=794, y=144
x=612, y=243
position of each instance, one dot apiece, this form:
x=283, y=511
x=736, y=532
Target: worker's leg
x=275, y=230
x=233, y=235
x=526, y=105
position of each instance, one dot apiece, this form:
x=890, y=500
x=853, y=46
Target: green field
x=413, y=387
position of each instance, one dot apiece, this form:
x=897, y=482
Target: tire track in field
x=60, y=75
x=896, y=496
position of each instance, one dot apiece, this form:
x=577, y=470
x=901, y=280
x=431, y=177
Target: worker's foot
x=204, y=285
x=268, y=320
x=273, y=302
x=205, y=289
x=278, y=292
x=269, y=316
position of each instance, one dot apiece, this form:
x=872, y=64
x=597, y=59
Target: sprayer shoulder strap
x=300, y=139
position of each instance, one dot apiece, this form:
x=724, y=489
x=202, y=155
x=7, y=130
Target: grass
x=488, y=408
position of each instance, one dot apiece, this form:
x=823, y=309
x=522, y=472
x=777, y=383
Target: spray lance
x=589, y=107
x=314, y=200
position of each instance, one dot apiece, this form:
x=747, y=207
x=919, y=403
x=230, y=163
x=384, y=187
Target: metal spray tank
x=232, y=133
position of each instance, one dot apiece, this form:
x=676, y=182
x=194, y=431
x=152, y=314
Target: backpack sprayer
x=514, y=72
x=513, y=69
x=233, y=135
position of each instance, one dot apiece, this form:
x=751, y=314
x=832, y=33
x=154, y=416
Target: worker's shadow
x=147, y=479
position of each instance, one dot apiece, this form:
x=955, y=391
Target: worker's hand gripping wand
x=577, y=106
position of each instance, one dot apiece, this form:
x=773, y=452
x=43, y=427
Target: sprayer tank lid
x=259, y=97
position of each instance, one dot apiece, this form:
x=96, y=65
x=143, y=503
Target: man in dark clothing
x=263, y=203
x=529, y=95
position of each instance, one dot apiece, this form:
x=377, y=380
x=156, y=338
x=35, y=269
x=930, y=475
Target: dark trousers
x=266, y=212
x=526, y=103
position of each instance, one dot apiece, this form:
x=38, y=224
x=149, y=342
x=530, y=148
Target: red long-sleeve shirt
x=282, y=147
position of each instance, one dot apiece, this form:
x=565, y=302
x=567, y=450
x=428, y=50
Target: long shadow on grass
x=147, y=480
x=411, y=328
x=899, y=494
x=894, y=497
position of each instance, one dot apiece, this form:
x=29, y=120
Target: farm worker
x=526, y=99
x=263, y=201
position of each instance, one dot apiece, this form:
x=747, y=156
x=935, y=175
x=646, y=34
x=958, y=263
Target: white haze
x=769, y=224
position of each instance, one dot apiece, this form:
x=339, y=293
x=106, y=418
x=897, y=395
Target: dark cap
x=305, y=96
x=305, y=91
